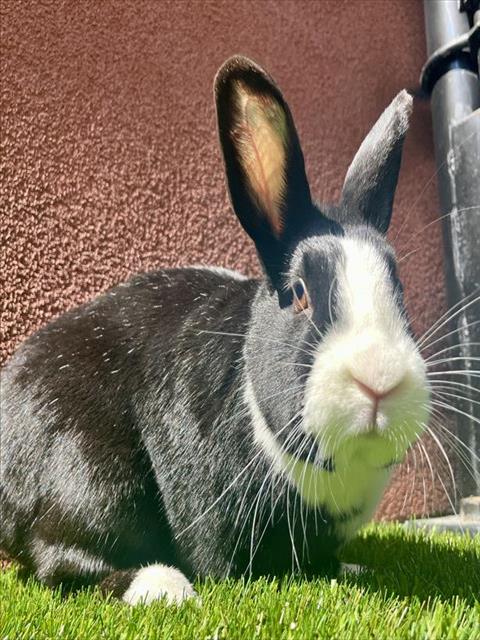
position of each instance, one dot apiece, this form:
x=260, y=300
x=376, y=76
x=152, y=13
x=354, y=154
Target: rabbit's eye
x=300, y=296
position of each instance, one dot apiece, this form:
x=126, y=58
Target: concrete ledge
x=466, y=522
x=446, y=523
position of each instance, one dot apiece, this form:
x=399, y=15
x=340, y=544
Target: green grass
x=419, y=586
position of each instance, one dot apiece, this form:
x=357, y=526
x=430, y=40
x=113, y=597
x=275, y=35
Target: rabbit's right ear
x=263, y=161
x=371, y=180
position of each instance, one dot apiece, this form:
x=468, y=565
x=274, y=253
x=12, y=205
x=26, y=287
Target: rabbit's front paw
x=158, y=581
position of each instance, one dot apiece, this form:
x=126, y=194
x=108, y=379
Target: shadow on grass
x=415, y=565
x=397, y=562
x=64, y=589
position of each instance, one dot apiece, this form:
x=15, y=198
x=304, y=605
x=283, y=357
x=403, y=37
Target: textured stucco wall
x=110, y=162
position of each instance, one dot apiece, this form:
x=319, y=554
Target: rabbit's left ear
x=263, y=161
x=371, y=180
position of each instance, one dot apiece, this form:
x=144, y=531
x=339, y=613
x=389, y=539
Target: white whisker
x=450, y=469
x=451, y=348
x=454, y=359
x=434, y=329
x=463, y=327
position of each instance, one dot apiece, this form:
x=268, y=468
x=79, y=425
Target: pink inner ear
x=260, y=136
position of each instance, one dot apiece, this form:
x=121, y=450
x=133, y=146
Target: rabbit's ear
x=371, y=180
x=263, y=159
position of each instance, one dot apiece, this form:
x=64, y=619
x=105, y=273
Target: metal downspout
x=455, y=104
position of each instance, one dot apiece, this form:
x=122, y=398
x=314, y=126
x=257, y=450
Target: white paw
x=158, y=581
x=351, y=569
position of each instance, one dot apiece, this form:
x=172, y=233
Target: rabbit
x=194, y=422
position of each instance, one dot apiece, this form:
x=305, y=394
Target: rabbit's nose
x=377, y=363
x=375, y=394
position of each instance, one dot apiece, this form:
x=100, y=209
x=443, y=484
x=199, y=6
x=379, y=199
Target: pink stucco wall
x=110, y=161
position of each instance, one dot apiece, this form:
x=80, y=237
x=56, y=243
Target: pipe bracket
x=459, y=53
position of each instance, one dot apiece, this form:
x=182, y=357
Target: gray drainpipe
x=450, y=78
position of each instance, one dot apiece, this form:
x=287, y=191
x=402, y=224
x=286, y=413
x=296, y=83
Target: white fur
x=222, y=271
x=370, y=343
x=158, y=581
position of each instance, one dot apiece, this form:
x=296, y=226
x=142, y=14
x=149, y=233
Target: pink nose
x=374, y=395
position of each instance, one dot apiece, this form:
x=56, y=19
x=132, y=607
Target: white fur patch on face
x=158, y=581
x=370, y=345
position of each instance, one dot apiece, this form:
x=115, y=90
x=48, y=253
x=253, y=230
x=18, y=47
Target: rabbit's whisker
x=454, y=384
x=448, y=316
x=458, y=447
x=442, y=338
x=450, y=469
x=253, y=551
x=437, y=405
x=429, y=224
x=453, y=359
x=229, y=486
x=445, y=394
x=293, y=434
x=421, y=451
x=474, y=373
x=451, y=348
x=260, y=338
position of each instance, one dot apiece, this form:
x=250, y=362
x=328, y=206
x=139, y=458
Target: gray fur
x=370, y=183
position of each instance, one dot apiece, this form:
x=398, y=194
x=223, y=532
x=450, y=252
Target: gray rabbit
x=195, y=422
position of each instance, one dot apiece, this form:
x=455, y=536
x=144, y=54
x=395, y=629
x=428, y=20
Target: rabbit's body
x=196, y=421
x=132, y=451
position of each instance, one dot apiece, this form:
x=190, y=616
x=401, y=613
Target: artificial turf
x=417, y=586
